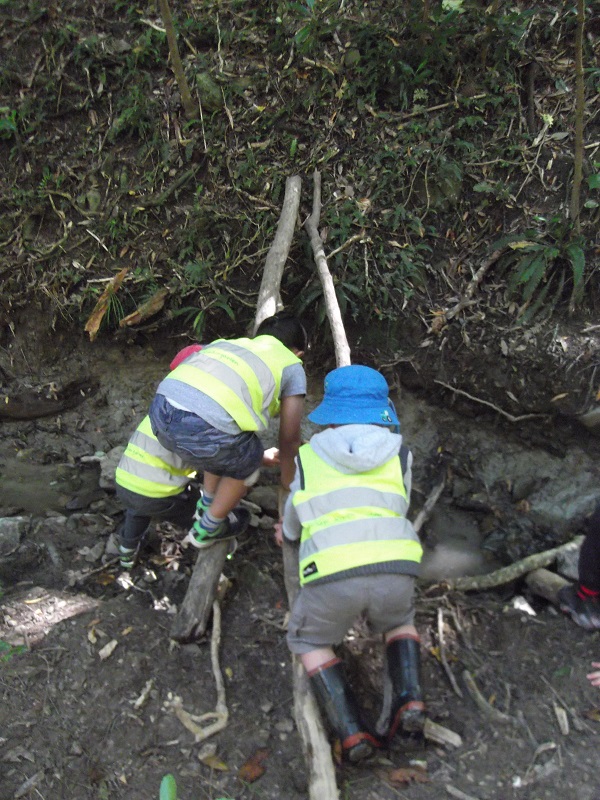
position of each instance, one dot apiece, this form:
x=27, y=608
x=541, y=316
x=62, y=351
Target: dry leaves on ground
x=253, y=768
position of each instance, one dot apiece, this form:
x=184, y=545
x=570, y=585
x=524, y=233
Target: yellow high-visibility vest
x=242, y=375
x=353, y=524
x=148, y=469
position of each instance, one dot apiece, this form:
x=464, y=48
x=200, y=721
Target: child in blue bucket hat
x=359, y=554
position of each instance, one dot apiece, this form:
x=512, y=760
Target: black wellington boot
x=339, y=705
x=404, y=667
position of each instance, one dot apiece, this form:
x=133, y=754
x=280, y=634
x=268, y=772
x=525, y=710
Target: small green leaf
x=484, y=187
x=562, y=672
x=594, y=181
x=168, y=788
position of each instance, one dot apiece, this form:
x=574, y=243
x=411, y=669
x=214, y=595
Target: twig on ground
x=221, y=713
x=473, y=284
x=77, y=578
x=442, y=648
x=508, y=416
x=482, y=704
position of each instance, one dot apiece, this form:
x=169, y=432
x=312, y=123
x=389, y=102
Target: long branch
x=340, y=342
x=269, y=299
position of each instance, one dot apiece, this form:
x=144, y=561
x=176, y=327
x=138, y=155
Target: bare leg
x=403, y=630
x=229, y=492
x=210, y=483
x=316, y=658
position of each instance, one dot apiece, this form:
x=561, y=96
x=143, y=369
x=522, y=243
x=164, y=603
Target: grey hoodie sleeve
x=407, y=475
x=292, y=529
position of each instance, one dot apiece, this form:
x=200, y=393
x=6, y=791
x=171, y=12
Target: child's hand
x=271, y=457
x=279, y=533
x=594, y=677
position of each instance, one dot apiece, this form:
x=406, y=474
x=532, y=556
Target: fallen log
x=512, y=572
x=315, y=746
x=33, y=405
x=192, y=618
x=546, y=584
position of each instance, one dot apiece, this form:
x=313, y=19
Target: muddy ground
x=85, y=706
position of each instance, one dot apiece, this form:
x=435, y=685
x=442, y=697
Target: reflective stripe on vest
x=148, y=469
x=242, y=375
x=350, y=521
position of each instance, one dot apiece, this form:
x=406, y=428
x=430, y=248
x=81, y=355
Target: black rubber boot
x=404, y=667
x=338, y=704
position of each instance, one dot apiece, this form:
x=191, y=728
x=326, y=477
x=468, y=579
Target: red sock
x=587, y=594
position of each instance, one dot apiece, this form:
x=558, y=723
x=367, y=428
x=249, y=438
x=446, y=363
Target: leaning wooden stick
x=340, y=342
x=425, y=512
x=269, y=299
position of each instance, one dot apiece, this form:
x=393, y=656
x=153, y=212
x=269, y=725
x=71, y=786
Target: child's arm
x=292, y=409
x=594, y=677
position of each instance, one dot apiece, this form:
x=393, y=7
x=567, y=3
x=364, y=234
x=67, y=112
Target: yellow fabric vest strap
x=148, y=469
x=242, y=375
x=353, y=524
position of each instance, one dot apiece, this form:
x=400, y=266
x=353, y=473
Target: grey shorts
x=322, y=614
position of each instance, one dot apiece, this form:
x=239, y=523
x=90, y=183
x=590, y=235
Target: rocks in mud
x=266, y=497
x=591, y=420
x=12, y=531
x=108, y=464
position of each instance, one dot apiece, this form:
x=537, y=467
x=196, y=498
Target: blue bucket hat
x=355, y=394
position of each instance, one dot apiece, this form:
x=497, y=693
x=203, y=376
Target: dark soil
x=101, y=175
x=74, y=725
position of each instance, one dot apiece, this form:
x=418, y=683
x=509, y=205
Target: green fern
x=539, y=267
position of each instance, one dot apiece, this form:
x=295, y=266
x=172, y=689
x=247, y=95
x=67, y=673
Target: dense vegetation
x=444, y=132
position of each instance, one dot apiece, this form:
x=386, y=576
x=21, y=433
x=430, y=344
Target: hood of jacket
x=356, y=448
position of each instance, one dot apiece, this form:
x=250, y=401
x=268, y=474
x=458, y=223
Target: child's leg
x=133, y=529
x=589, y=557
x=403, y=658
x=217, y=522
x=228, y=493
x=338, y=703
x=391, y=611
x=403, y=630
x=320, y=615
x=317, y=658
x=582, y=601
x=130, y=535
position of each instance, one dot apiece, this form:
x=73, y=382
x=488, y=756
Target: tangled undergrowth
x=444, y=133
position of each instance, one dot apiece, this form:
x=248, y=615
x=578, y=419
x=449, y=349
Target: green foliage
x=541, y=265
x=8, y=122
x=197, y=318
x=137, y=109
x=593, y=182
x=8, y=651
